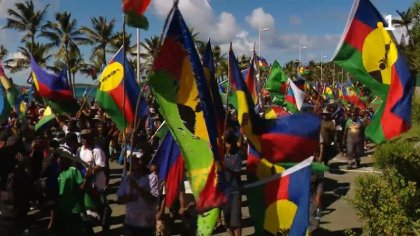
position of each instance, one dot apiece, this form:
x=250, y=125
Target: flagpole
x=123, y=105
x=138, y=55
x=227, y=103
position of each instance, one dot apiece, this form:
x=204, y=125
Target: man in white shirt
x=95, y=158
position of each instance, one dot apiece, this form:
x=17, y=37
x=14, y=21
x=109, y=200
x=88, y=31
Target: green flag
x=276, y=82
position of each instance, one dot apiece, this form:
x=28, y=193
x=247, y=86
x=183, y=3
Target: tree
x=101, y=34
x=26, y=19
x=405, y=22
x=3, y=52
x=152, y=46
x=220, y=62
x=117, y=42
x=64, y=35
x=40, y=53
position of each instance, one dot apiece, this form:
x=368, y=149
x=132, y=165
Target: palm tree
x=3, y=52
x=26, y=19
x=64, y=35
x=243, y=61
x=118, y=40
x=220, y=62
x=39, y=53
x=100, y=35
x=152, y=46
x=405, y=21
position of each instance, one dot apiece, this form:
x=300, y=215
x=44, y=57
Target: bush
x=389, y=202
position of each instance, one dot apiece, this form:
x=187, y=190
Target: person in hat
x=139, y=192
x=95, y=159
x=67, y=219
x=328, y=134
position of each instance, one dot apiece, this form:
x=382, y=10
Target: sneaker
x=318, y=214
x=351, y=166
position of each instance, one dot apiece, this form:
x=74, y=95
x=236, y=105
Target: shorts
x=232, y=212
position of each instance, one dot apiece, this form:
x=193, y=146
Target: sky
x=314, y=25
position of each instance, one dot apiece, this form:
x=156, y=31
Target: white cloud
x=295, y=20
x=260, y=19
x=199, y=15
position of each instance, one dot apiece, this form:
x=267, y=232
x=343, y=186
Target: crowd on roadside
x=63, y=170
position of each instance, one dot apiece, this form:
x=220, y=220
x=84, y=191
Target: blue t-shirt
x=233, y=164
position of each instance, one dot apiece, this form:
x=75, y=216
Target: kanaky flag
x=180, y=88
x=118, y=92
x=350, y=95
x=290, y=138
x=219, y=110
x=288, y=198
x=368, y=51
x=171, y=167
x=184, y=99
x=247, y=118
x=50, y=85
x=55, y=89
x=134, y=13
x=278, y=198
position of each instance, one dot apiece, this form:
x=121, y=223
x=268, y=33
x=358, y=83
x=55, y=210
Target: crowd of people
x=63, y=170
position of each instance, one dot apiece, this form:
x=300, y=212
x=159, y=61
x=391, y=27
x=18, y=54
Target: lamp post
x=259, y=37
x=300, y=51
x=322, y=59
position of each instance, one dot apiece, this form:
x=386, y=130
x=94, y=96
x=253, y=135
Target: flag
x=3, y=78
x=294, y=98
x=262, y=63
x=290, y=138
x=12, y=92
x=47, y=120
x=251, y=81
x=298, y=94
x=55, y=89
x=329, y=93
x=258, y=168
x=350, y=95
x=181, y=91
x=209, y=72
x=279, y=200
x=277, y=83
x=369, y=52
x=115, y=83
x=289, y=198
x=247, y=118
x=171, y=167
x=275, y=112
x=134, y=13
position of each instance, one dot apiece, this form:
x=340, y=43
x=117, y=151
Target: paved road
x=337, y=214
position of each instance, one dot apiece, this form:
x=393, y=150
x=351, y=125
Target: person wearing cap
x=95, y=158
x=139, y=192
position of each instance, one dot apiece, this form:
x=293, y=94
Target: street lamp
x=300, y=51
x=259, y=37
x=322, y=59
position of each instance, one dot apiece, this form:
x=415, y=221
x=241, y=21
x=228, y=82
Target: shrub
x=389, y=203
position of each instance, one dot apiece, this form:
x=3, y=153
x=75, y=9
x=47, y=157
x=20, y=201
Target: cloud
x=260, y=19
x=199, y=15
x=295, y=20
